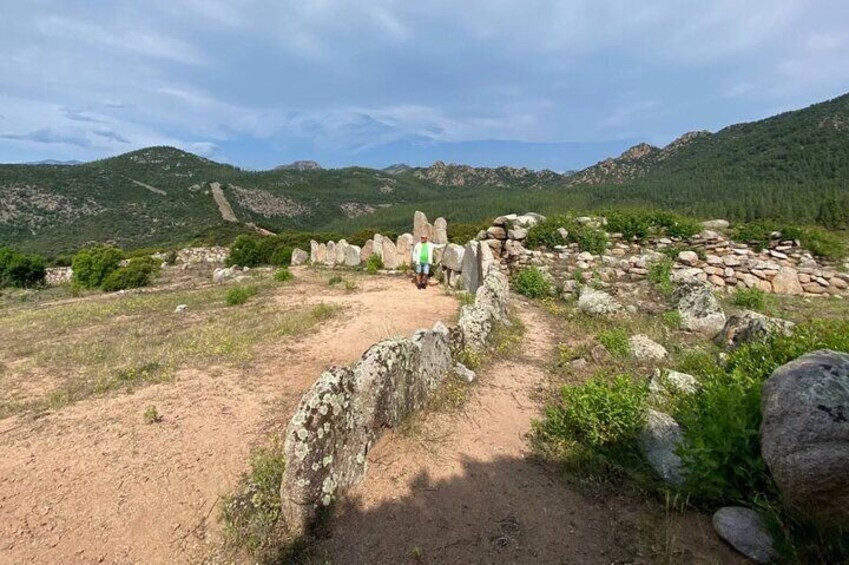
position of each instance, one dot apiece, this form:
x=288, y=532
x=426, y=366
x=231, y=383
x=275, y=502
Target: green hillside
x=792, y=167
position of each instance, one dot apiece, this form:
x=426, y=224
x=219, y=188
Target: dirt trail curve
x=466, y=490
x=91, y=483
x=224, y=207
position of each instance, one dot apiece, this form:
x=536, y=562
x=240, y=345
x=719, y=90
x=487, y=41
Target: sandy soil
x=92, y=483
x=466, y=489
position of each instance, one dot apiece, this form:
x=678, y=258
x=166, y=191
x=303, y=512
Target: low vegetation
x=532, y=282
x=374, y=264
x=21, y=270
x=240, y=294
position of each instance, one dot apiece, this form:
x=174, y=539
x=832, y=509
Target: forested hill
x=793, y=167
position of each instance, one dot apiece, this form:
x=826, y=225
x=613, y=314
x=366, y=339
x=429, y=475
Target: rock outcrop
x=805, y=434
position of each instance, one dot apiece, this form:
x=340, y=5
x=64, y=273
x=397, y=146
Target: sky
x=537, y=83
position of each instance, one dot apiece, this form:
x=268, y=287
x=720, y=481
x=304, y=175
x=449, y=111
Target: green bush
x=283, y=275
x=240, y=294
x=631, y=224
x=660, y=275
x=93, y=264
x=823, y=244
x=137, y=274
x=362, y=236
x=616, y=342
x=674, y=225
x=532, y=283
x=751, y=298
x=722, y=420
x=461, y=234
x=245, y=252
x=591, y=240
x=546, y=233
x=602, y=413
x=374, y=264
x=20, y=269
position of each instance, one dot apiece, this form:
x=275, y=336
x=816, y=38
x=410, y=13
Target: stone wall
x=58, y=275
x=347, y=410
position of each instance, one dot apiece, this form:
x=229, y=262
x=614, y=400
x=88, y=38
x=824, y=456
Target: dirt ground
x=466, y=489
x=92, y=483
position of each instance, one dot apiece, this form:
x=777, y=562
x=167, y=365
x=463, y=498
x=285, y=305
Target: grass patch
x=238, y=295
x=283, y=275
x=151, y=415
x=750, y=298
x=615, y=341
x=334, y=280
x=660, y=276
x=96, y=346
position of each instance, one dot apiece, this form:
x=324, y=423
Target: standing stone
x=367, y=251
x=341, y=252
x=299, y=257
x=440, y=231
x=745, y=530
x=321, y=253
x=404, y=247
x=485, y=259
x=471, y=274
x=390, y=255
x=659, y=443
x=420, y=225
x=313, y=251
x=787, y=282
x=452, y=258
x=805, y=434
x=377, y=248
x=330, y=259
x=352, y=256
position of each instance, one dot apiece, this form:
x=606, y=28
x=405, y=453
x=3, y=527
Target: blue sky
x=257, y=83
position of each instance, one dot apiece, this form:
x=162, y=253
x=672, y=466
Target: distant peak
x=302, y=165
x=639, y=151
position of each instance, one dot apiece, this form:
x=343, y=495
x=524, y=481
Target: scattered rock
x=805, y=433
x=181, y=308
x=672, y=382
x=700, y=311
x=745, y=530
x=464, y=373
x=597, y=303
x=643, y=348
x=658, y=443
x=750, y=326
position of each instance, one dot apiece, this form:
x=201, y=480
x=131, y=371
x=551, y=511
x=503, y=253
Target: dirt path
x=92, y=483
x=466, y=490
x=224, y=207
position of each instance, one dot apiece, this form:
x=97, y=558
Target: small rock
x=597, y=303
x=666, y=382
x=658, y=443
x=700, y=311
x=181, y=308
x=688, y=258
x=745, y=530
x=643, y=348
x=464, y=373
x=750, y=326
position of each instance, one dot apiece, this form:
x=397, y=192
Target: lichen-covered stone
x=700, y=310
x=299, y=257
x=750, y=326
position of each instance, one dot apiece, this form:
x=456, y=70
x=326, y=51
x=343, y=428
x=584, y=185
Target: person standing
x=423, y=259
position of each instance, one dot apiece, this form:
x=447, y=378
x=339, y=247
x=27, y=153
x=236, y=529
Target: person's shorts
x=422, y=268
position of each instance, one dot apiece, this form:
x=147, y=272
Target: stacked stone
x=56, y=276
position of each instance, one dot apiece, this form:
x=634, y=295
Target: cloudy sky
x=524, y=82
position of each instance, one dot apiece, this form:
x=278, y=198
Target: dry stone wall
x=345, y=412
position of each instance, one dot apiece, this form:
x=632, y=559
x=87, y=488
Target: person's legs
x=425, y=274
x=419, y=275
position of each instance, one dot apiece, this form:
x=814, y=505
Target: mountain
x=54, y=162
x=505, y=177
x=299, y=166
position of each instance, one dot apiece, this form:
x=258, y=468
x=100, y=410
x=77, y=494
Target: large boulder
x=805, y=434
x=750, y=326
x=440, y=231
x=597, y=303
x=404, y=248
x=493, y=295
x=390, y=255
x=475, y=325
x=452, y=257
x=787, y=282
x=471, y=275
x=659, y=443
x=700, y=310
x=745, y=530
x=299, y=257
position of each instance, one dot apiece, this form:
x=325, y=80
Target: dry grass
x=60, y=353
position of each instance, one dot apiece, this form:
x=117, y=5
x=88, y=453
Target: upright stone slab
x=420, y=225
x=341, y=251
x=377, y=249
x=299, y=257
x=330, y=259
x=452, y=258
x=352, y=256
x=440, y=231
x=390, y=255
x=404, y=248
x=367, y=251
x=321, y=254
x=471, y=274
x=485, y=259
x=313, y=251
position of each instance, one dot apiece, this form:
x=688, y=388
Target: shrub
x=283, y=275
x=823, y=244
x=751, y=298
x=151, y=415
x=240, y=294
x=361, y=237
x=137, y=274
x=615, y=342
x=660, y=275
x=463, y=233
x=374, y=264
x=601, y=413
x=631, y=224
x=532, y=283
x=245, y=252
x=334, y=280
x=92, y=265
x=591, y=240
x=678, y=226
x=21, y=270
x=546, y=233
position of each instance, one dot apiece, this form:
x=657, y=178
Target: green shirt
x=424, y=253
